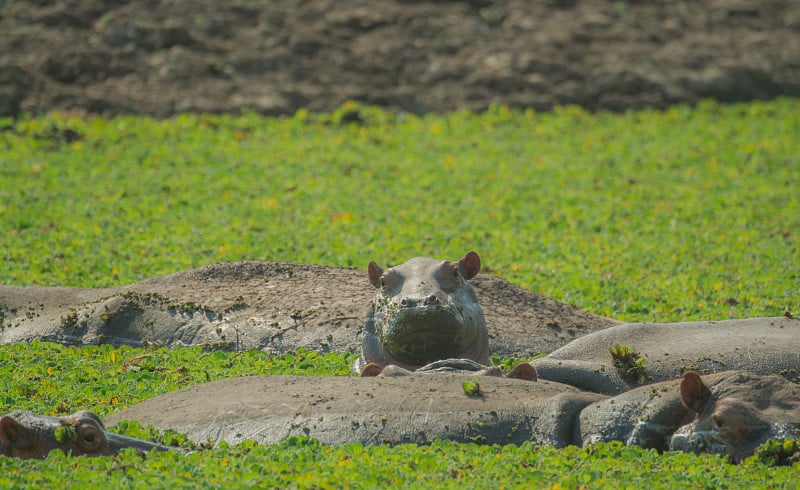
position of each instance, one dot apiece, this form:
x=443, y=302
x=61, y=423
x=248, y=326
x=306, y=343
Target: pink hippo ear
x=694, y=393
x=469, y=265
x=372, y=369
x=375, y=273
x=524, y=371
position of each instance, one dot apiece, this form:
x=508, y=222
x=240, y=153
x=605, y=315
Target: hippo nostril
x=431, y=300
x=407, y=303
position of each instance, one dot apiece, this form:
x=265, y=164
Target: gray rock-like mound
x=270, y=306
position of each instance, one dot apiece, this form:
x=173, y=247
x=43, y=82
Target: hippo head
x=425, y=311
x=29, y=436
x=737, y=413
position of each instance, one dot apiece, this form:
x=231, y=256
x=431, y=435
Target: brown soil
x=163, y=57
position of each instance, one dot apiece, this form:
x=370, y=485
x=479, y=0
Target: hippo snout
x=429, y=300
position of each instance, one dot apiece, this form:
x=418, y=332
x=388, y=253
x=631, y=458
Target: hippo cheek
x=423, y=335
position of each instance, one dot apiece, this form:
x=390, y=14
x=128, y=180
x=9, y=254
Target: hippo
x=523, y=370
x=729, y=413
x=26, y=435
x=418, y=408
x=758, y=345
x=425, y=311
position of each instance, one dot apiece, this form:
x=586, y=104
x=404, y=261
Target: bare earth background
x=163, y=57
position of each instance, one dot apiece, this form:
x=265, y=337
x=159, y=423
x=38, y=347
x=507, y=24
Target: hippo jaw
x=117, y=443
x=689, y=439
x=419, y=335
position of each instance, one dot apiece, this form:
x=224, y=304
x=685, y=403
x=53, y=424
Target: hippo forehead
x=421, y=267
x=771, y=397
x=422, y=275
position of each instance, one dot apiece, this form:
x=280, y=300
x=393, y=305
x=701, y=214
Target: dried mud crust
x=160, y=58
x=265, y=305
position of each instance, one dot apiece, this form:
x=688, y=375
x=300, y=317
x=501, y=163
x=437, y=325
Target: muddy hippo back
x=425, y=311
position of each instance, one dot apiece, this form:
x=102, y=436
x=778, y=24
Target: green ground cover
x=683, y=214
x=653, y=215
x=49, y=378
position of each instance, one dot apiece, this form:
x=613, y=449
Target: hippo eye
x=89, y=438
x=383, y=282
x=718, y=422
x=455, y=272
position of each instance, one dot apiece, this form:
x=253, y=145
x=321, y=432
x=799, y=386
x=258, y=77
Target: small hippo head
x=425, y=311
x=737, y=413
x=29, y=436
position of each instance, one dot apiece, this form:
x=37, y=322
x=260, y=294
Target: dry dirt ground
x=163, y=57
x=276, y=307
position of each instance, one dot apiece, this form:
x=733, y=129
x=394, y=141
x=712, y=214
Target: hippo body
x=425, y=311
x=758, y=345
x=729, y=413
x=418, y=408
x=29, y=436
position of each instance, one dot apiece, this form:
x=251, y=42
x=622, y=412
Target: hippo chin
x=26, y=435
x=425, y=311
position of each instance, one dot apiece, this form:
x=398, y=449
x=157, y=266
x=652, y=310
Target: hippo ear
x=694, y=393
x=370, y=370
x=10, y=432
x=375, y=273
x=524, y=371
x=469, y=265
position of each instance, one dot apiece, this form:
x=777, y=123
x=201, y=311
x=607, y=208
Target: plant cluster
x=629, y=362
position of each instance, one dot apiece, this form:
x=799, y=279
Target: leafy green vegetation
x=774, y=452
x=52, y=379
x=682, y=214
x=49, y=378
x=472, y=388
x=304, y=463
x=629, y=362
x=644, y=216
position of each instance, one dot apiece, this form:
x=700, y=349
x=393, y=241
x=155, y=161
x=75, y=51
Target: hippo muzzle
x=423, y=331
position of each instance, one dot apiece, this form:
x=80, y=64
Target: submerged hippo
x=729, y=413
x=29, y=436
x=425, y=311
x=418, y=408
x=523, y=370
x=758, y=345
